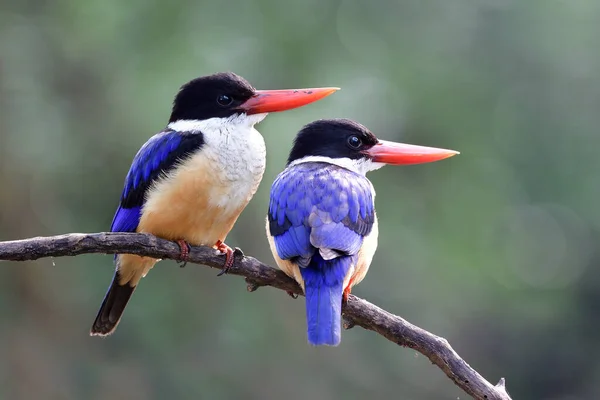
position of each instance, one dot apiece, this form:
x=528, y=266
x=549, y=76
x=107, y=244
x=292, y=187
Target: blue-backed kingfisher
x=190, y=182
x=321, y=224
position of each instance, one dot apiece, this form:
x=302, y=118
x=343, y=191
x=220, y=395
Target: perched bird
x=190, y=182
x=321, y=224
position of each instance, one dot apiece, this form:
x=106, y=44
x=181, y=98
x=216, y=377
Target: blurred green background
x=495, y=249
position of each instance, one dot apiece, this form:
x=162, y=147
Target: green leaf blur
x=495, y=249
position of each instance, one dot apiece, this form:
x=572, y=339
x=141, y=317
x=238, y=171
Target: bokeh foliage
x=495, y=249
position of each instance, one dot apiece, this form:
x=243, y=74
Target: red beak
x=403, y=154
x=266, y=101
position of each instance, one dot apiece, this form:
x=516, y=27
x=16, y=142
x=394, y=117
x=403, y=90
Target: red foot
x=185, y=251
x=347, y=290
x=228, y=251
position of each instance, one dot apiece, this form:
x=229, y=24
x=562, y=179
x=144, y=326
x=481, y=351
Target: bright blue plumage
x=323, y=288
x=126, y=219
x=319, y=214
x=159, y=155
x=319, y=205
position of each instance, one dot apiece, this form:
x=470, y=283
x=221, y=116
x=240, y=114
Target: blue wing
x=126, y=219
x=320, y=206
x=158, y=155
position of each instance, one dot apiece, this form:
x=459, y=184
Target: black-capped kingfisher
x=321, y=224
x=190, y=182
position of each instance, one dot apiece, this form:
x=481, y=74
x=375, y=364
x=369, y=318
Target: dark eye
x=224, y=100
x=354, y=142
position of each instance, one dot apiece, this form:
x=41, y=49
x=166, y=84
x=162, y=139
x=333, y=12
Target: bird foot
x=292, y=295
x=185, y=252
x=228, y=251
x=347, y=291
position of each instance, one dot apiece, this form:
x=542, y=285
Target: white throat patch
x=360, y=166
x=235, y=122
x=235, y=149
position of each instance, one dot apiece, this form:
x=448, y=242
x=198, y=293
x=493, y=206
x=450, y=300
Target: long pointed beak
x=404, y=154
x=266, y=101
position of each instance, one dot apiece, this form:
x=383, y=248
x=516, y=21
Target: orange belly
x=195, y=203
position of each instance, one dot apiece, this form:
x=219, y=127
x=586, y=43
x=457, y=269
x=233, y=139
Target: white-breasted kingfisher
x=190, y=182
x=321, y=224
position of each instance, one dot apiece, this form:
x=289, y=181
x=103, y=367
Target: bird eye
x=354, y=142
x=224, y=100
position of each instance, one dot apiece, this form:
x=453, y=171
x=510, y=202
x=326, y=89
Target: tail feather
x=112, y=308
x=323, y=288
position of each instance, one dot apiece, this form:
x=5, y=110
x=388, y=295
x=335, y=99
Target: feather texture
x=319, y=216
x=320, y=206
x=323, y=288
x=159, y=155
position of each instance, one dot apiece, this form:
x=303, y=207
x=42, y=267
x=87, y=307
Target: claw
x=292, y=295
x=228, y=251
x=347, y=291
x=345, y=295
x=185, y=252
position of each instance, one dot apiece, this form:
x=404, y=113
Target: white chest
x=230, y=164
x=237, y=160
x=202, y=197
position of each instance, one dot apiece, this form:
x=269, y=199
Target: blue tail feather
x=323, y=287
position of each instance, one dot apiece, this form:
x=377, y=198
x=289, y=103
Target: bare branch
x=357, y=312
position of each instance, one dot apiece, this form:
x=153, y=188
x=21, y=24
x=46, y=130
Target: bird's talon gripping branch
x=345, y=296
x=347, y=291
x=228, y=251
x=185, y=252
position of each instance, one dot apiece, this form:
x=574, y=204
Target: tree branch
x=356, y=312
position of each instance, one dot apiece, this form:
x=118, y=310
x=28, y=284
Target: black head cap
x=333, y=138
x=212, y=96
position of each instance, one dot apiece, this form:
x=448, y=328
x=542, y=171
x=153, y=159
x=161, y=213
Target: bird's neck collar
x=360, y=166
x=203, y=125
